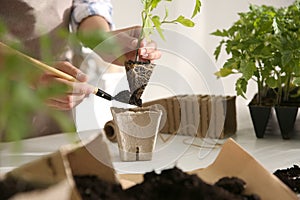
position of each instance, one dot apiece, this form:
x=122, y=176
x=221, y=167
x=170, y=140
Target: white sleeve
x=84, y=8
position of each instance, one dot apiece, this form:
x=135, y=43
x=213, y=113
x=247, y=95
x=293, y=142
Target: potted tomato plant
x=263, y=45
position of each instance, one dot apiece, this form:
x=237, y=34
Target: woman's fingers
x=75, y=93
x=65, y=102
x=73, y=87
x=68, y=98
x=148, y=51
x=79, y=87
x=62, y=106
x=70, y=69
x=128, y=43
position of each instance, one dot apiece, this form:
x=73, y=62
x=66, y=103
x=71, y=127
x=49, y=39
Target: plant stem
x=144, y=17
x=279, y=95
x=287, y=87
x=168, y=22
x=138, y=45
x=258, y=91
x=259, y=84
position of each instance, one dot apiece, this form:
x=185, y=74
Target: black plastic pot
x=286, y=117
x=260, y=116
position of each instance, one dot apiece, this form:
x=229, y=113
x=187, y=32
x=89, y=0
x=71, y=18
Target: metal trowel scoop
x=123, y=96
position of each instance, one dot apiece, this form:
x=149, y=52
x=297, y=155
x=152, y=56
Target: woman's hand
x=127, y=41
x=76, y=92
x=148, y=51
x=115, y=46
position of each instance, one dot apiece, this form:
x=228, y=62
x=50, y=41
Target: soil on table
x=171, y=184
x=11, y=186
x=291, y=177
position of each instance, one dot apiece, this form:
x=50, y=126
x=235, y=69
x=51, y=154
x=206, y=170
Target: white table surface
x=272, y=151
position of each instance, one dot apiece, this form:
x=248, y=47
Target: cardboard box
x=232, y=160
x=55, y=171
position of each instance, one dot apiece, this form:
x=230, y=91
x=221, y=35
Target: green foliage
x=196, y=8
x=151, y=21
x=20, y=99
x=263, y=45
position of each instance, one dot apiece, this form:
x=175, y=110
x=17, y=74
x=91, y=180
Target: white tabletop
x=272, y=151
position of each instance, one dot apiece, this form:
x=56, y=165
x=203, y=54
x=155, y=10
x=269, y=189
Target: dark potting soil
x=138, y=74
x=232, y=184
x=135, y=98
x=132, y=62
x=171, y=184
x=11, y=186
x=270, y=99
x=290, y=176
x=91, y=187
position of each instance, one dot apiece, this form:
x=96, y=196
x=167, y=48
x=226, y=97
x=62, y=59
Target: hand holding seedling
x=128, y=40
x=132, y=43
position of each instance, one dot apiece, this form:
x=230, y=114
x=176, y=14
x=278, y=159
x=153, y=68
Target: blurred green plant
x=264, y=46
x=20, y=99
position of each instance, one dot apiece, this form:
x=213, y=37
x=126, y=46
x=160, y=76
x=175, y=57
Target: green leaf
x=223, y=72
x=275, y=26
x=271, y=82
x=241, y=87
x=146, y=4
x=166, y=14
x=296, y=81
x=220, y=33
x=157, y=24
x=218, y=50
x=3, y=29
x=45, y=44
x=197, y=8
x=154, y=4
x=232, y=63
x=297, y=69
x=247, y=68
x=286, y=58
x=101, y=40
x=184, y=21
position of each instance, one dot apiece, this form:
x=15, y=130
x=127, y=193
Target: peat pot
x=137, y=130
